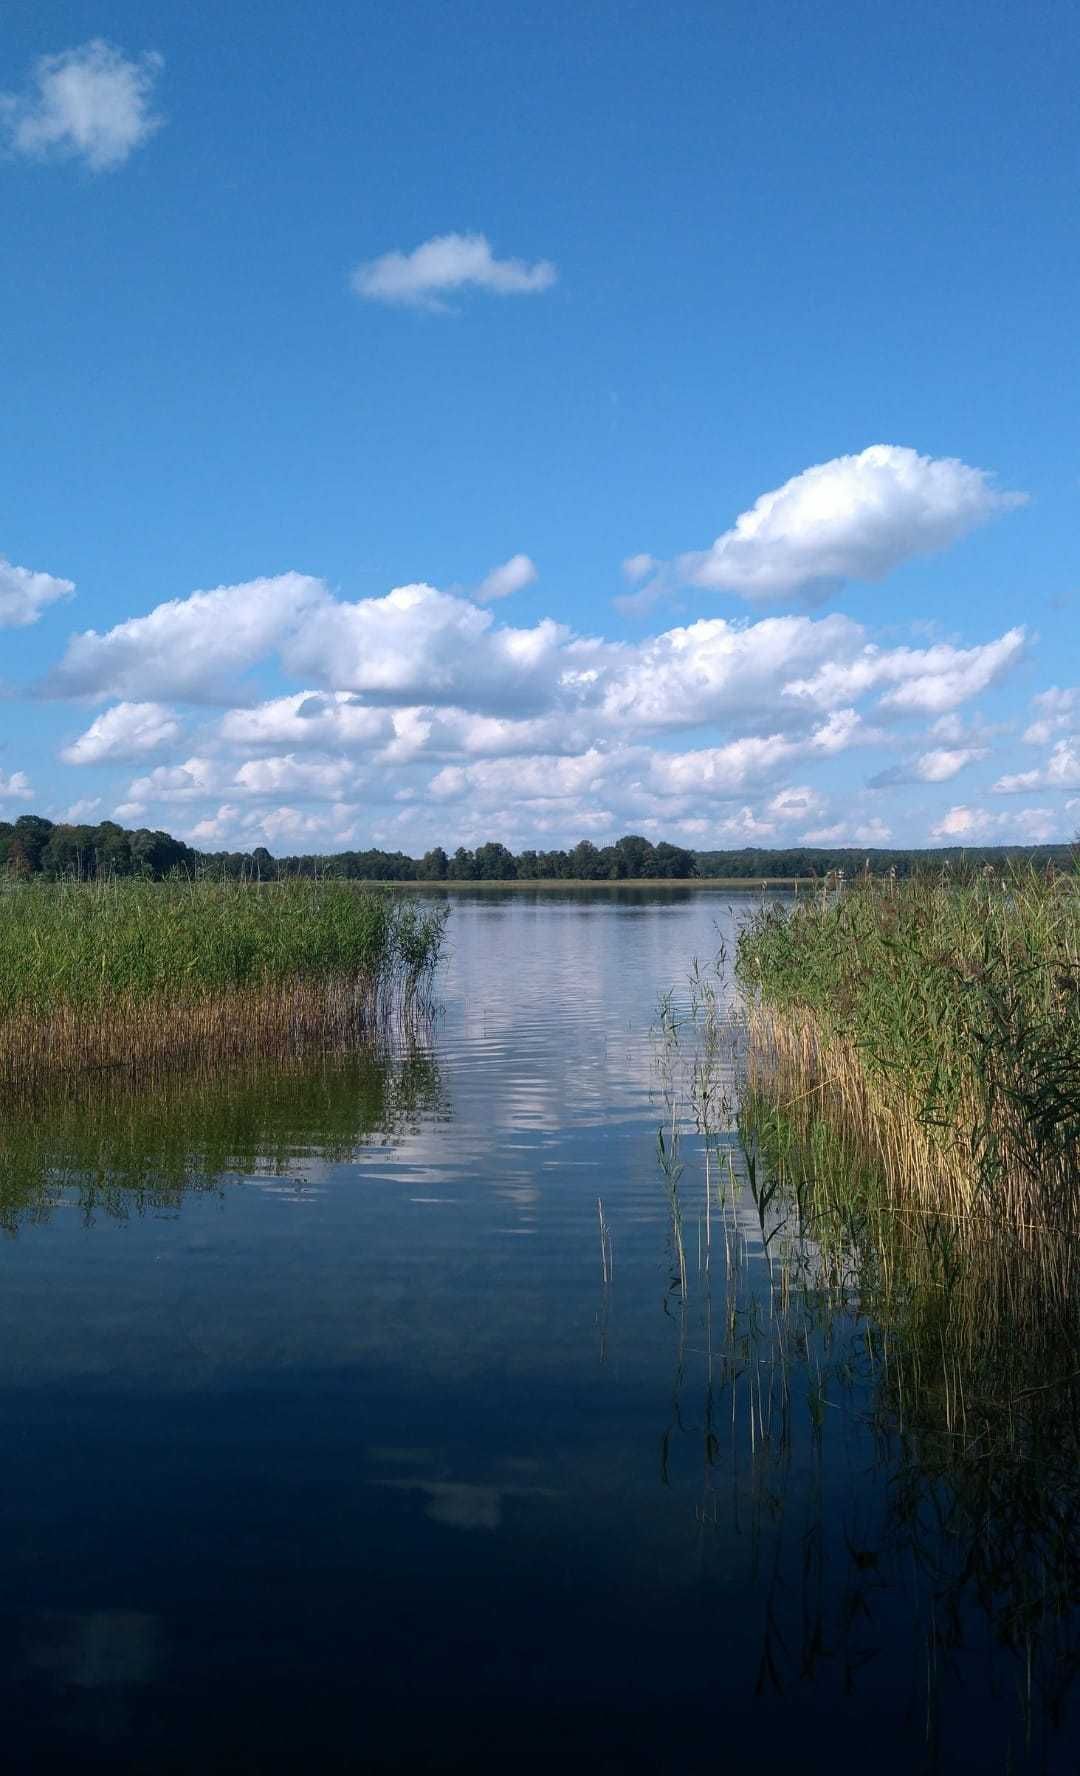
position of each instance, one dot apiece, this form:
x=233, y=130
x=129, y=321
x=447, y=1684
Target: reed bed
x=130, y=974
x=933, y=1028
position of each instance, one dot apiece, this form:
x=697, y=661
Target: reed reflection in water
x=114, y=1145
x=823, y=1337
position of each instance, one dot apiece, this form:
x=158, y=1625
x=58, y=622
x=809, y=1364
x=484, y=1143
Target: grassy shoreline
x=130, y=974
x=929, y=1033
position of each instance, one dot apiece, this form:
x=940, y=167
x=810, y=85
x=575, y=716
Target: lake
x=363, y=1415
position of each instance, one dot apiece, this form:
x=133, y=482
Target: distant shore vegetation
x=32, y=847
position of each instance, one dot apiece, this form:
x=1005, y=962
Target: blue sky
x=341, y=308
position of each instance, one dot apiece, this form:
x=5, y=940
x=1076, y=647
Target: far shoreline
x=750, y=884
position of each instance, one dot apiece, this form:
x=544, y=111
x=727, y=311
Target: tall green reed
x=117, y=972
x=939, y=1019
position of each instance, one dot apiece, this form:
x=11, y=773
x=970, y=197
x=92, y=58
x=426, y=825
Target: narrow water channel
x=339, y=1433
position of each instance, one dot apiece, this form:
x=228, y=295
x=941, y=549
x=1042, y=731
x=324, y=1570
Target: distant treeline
x=32, y=846
x=855, y=860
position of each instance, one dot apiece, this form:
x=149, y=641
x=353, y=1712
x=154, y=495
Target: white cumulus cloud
x=309, y=718
x=16, y=787
x=535, y=779
x=937, y=765
x=306, y=779
x=716, y=671
x=1061, y=771
x=190, y=648
x=846, y=832
x=420, y=712
x=721, y=771
x=943, y=762
x=962, y=822
x=82, y=811
x=280, y=829
x=24, y=594
x=853, y=518
x=1056, y=711
x=126, y=731
x=1040, y=826
x=445, y=265
x=419, y=645
x=1030, y=826
x=92, y=102
x=915, y=680
x=313, y=778
x=632, y=783
x=196, y=778
x=799, y=802
x=443, y=672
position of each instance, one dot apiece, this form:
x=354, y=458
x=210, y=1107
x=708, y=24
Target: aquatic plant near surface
x=131, y=973
x=935, y=1025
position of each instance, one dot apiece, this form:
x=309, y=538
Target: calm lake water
x=333, y=1438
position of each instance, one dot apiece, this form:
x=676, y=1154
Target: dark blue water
x=332, y=1440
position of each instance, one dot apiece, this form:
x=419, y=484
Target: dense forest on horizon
x=32, y=846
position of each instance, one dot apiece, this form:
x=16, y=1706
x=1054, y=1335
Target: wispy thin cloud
x=445, y=265
x=513, y=576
